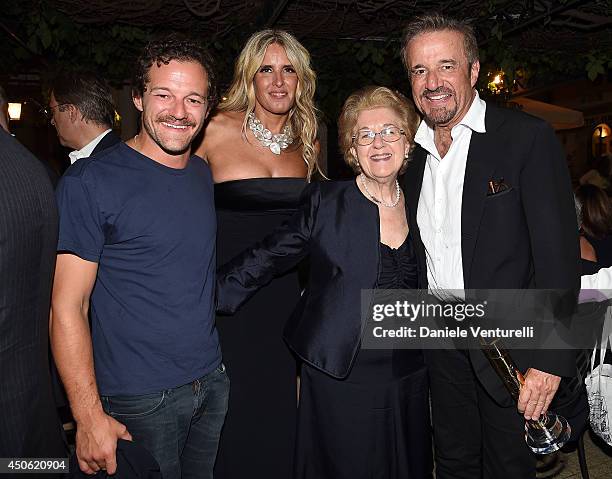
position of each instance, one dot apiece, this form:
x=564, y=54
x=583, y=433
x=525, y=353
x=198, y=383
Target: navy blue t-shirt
x=151, y=229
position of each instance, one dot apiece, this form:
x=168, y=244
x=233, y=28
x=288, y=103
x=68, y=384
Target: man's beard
x=440, y=115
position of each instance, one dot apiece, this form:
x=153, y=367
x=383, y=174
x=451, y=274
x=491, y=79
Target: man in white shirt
x=82, y=110
x=490, y=207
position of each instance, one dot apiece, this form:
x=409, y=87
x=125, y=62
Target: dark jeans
x=180, y=427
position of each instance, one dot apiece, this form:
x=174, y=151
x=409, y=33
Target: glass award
x=547, y=434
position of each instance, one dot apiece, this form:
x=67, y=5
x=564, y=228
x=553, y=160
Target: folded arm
x=240, y=278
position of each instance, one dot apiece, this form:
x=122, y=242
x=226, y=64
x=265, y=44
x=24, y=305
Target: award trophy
x=547, y=434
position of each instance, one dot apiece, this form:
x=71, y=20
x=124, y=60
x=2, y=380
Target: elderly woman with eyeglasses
x=362, y=413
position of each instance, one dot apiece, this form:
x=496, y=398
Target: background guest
x=261, y=146
x=355, y=234
x=588, y=258
x=595, y=224
x=599, y=174
x=4, y=115
x=82, y=110
x=29, y=425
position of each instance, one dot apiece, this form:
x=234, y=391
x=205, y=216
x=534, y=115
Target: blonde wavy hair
x=303, y=115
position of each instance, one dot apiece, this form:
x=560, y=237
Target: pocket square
x=497, y=186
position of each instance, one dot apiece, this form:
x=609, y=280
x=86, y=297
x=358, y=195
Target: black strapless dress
x=259, y=432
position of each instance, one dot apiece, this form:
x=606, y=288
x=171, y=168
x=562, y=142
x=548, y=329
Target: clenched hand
x=96, y=443
x=536, y=393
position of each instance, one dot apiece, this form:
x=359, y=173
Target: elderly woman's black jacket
x=338, y=228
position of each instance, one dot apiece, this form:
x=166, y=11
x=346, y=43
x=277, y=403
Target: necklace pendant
x=275, y=142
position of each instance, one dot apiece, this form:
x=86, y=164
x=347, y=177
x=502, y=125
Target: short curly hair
x=368, y=98
x=178, y=47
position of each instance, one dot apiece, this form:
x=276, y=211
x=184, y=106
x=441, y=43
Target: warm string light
x=497, y=84
x=14, y=111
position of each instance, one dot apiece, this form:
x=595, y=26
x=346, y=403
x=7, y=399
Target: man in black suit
x=490, y=207
x=29, y=426
x=82, y=110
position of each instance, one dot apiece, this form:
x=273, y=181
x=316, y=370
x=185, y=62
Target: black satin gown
x=375, y=423
x=259, y=432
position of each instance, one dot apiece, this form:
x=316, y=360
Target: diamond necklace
x=276, y=142
x=381, y=201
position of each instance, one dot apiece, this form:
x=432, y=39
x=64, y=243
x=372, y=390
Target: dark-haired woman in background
x=595, y=221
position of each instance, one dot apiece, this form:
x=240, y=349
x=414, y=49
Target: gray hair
x=436, y=22
x=87, y=91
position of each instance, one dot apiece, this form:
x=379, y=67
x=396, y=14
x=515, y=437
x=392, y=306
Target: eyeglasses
x=48, y=110
x=389, y=134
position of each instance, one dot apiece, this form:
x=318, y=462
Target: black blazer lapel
x=411, y=184
x=480, y=165
x=413, y=179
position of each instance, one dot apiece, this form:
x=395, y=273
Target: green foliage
x=598, y=63
x=51, y=41
x=532, y=68
x=347, y=65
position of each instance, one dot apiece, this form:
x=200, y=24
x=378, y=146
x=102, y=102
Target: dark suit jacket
x=339, y=229
x=524, y=237
x=29, y=426
x=108, y=140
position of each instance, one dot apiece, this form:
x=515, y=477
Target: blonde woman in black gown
x=262, y=149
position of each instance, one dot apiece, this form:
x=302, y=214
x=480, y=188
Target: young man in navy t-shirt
x=137, y=251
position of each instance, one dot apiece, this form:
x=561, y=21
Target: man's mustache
x=438, y=91
x=175, y=121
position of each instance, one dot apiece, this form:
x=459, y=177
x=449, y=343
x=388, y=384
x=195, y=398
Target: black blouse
x=398, y=266
x=397, y=270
